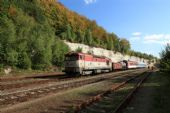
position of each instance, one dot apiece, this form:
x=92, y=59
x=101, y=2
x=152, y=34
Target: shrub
x=165, y=59
x=79, y=49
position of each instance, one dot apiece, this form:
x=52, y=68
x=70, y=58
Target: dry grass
x=162, y=94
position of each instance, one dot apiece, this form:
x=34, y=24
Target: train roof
x=80, y=53
x=74, y=53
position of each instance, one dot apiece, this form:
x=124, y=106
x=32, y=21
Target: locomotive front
x=73, y=63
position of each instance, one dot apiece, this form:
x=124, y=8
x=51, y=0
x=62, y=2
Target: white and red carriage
x=131, y=64
x=81, y=63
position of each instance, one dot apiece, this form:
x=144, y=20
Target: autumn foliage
x=31, y=34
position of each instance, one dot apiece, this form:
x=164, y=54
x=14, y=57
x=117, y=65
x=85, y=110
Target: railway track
x=37, y=80
x=29, y=94
x=23, y=77
x=9, y=83
x=113, y=100
x=28, y=82
x=127, y=99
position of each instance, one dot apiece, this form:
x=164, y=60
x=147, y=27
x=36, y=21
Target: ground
x=62, y=101
x=152, y=97
x=149, y=98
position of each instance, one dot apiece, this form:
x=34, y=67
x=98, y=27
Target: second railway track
x=38, y=80
x=114, y=100
x=28, y=94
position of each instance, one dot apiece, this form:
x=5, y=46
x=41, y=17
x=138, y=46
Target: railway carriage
x=80, y=63
x=142, y=65
x=118, y=66
x=134, y=64
x=131, y=64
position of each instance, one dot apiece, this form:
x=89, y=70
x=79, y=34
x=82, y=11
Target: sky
x=145, y=23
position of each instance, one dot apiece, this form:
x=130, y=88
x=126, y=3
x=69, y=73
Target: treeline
x=165, y=59
x=151, y=58
x=31, y=34
x=26, y=38
x=73, y=27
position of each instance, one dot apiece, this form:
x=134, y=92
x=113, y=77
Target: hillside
x=31, y=34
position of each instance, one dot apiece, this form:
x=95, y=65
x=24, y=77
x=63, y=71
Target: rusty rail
x=21, y=96
x=128, y=98
x=98, y=97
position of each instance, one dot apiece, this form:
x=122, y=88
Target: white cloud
x=135, y=38
x=89, y=1
x=162, y=39
x=154, y=37
x=137, y=34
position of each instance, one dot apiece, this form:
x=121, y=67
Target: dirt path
x=143, y=100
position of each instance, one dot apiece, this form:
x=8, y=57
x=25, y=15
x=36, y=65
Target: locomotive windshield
x=71, y=58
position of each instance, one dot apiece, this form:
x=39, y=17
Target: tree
x=79, y=49
x=24, y=61
x=7, y=42
x=11, y=57
x=69, y=33
x=109, y=43
x=40, y=46
x=88, y=37
x=59, y=49
x=165, y=59
x=124, y=46
x=116, y=43
x=80, y=36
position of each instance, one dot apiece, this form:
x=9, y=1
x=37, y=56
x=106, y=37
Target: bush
x=165, y=59
x=79, y=49
x=59, y=49
x=25, y=61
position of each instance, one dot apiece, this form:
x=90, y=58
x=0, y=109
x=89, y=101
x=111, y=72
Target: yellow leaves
x=76, y=21
x=12, y=11
x=48, y=3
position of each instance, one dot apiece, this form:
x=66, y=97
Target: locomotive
x=82, y=63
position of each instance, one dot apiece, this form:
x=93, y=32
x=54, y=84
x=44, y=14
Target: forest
x=32, y=34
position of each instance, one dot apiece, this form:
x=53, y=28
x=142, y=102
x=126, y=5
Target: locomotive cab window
x=71, y=58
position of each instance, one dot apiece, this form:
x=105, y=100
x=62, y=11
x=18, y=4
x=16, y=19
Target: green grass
x=22, y=72
x=109, y=103
x=162, y=94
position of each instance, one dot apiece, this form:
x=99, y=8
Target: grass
x=158, y=86
x=162, y=94
x=21, y=72
x=85, y=92
x=108, y=103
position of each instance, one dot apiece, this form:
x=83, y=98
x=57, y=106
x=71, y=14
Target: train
x=82, y=63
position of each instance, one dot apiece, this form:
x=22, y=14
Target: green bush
x=25, y=61
x=79, y=49
x=165, y=59
x=59, y=49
